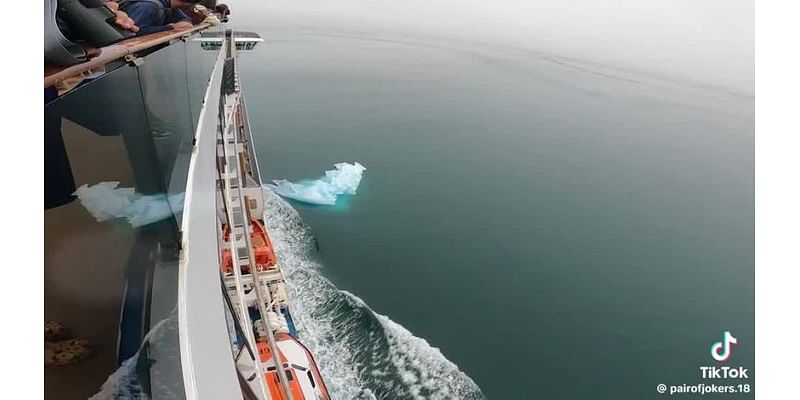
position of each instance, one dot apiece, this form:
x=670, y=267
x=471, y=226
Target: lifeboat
x=304, y=378
x=262, y=248
x=302, y=374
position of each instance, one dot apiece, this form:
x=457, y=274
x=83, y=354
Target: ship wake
x=126, y=383
x=361, y=354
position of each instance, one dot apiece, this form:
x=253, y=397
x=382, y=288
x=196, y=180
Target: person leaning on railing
x=200, y=14
x=77, y=35
x=220, y=9
x=122, y=20
x=223, y=11
x=153, y=16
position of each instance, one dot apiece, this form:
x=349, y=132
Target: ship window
x=270, y=368
x=238, y=219
x=289, y=375
x=301, y=368
x=311, y=378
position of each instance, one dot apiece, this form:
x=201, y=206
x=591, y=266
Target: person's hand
x=122, y=20
x=212, y=20
x=182, y=25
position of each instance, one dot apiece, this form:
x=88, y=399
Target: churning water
x=362, y=354
x=125, y=383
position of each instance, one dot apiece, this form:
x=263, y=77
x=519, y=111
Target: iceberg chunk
x=323, y=191
x=107, y=201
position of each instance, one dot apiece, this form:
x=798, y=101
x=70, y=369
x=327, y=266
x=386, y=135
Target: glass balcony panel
x=164, y=84
x=198, y=69
x=114, y=280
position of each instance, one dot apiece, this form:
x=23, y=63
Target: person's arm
x=147, y=17
x=122, y=19
x=144, y=14
x=180, y=16
x=180, y=20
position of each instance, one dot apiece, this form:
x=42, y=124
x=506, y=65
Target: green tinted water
x=558, y=232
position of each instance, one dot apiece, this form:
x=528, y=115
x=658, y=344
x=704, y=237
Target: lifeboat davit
x=262, y=248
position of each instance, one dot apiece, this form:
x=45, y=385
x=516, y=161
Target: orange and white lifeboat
x=262, y=248
x=304, y=378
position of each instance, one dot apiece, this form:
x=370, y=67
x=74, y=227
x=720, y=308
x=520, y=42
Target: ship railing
x=126, y=50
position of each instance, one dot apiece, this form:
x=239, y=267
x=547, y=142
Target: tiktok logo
x=721, y=351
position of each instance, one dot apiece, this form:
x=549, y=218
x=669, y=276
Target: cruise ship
x=190, y=303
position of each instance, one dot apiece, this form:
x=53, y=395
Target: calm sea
x=556, y=229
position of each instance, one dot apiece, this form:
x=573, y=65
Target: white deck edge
x=206, y=359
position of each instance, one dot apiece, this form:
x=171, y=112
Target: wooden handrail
x=54, y=74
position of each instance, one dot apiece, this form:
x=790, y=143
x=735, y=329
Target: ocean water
x=529, y=226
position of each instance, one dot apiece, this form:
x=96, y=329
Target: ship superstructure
x=267, y=351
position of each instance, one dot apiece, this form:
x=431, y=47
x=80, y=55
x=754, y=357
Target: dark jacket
x=152, y=15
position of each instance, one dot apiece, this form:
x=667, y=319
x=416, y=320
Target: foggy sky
x=708, y=42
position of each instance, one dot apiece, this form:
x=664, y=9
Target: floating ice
x=107, y=201
x=323, y=191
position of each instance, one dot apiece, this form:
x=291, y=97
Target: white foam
x=356, y=358
x=124, y=382
x=361, y=354
x=309, y=292
x=323, y=191
x=422, y=367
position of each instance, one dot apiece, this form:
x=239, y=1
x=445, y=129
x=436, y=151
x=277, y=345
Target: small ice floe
x=323, y=191
x=107, y=201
